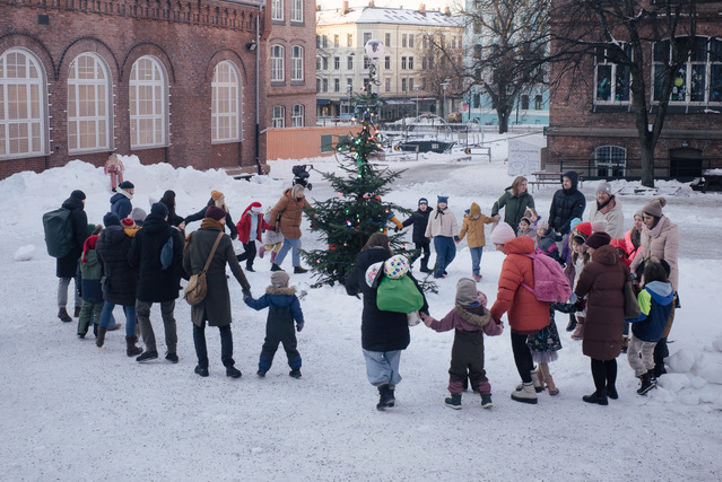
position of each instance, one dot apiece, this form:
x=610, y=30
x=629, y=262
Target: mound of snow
x=674, y=382
x=682, y=361
x=24, y=253
x=709, y=367
x=717, y=344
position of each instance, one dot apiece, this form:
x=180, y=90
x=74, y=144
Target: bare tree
x=442, y=68
x=638, y=37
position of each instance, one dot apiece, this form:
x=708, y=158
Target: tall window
x=336, y=85
x=612, y=80
x=22, y=105
x=225, y=103
x=336, y=63
x=699, y=80
x=525, y=102
x=538, y=102
x=349, y=40
x=403, y=63
x=296, y=62
x=88, y=104
x=278, y=117
x=610, y=161
x=296, y=10
x=297, y=117
x=403, y=84
x=349, y=63
x=324, y=85
x=387, y=84
x=277, y=10
x=411, y=40
x=411, y=63
x=367, y=37
x=147, y=103
x=388, y=39
x=404, y=38
x=277, y=66
x=387, y=62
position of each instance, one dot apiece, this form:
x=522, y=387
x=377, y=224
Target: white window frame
x=606, y=62
x=297, y=11
x=34, y=119
x=278, y=117
x=610, y=162
x=278, y=68
x=277, y=10
x=232, y=115
x=298, y=115
x=135, y=84
x=75, y=84
x=297, y=63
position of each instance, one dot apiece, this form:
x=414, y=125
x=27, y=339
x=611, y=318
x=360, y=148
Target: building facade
x=341, y=65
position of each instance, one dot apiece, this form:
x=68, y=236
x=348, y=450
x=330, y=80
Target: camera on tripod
x=301, y=175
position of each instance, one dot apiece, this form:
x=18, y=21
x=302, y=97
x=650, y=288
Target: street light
x=349, y=88
x=416, y=88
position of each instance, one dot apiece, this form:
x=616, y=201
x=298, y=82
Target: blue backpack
x=166, y=254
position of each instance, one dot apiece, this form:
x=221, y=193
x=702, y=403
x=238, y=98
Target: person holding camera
x=286, y=217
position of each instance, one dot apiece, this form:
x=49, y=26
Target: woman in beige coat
x=660, y=242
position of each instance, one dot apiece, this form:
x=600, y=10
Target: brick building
x=592, y=127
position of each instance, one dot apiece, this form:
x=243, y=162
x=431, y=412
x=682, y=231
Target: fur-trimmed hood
x=478, y=316
x=288, y=291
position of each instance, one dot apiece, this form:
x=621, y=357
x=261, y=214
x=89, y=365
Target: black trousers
x=604, y=373
x=249, y=253
x=279, y=332
x=425, y=248
x=199, y=340
x=522, y=356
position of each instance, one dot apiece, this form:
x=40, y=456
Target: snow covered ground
x=73, y=412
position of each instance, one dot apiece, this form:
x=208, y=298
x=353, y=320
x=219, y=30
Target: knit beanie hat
x=574, y=223
x=138, y=216
x=638, y=213
x=216, y=195
x=585, y=229
x=466, y=292
x=159, y=209
x=78, y=194
x=127, y=223
x=475, y=210
x=654, y=207
x=279, y=279
x=214, y=212
x=111, y=219
x=598, y=239
x=423, y=200
x=297, y=190
x=442, y=199
x=604, y=187
x=502, y=234
x=126, y=185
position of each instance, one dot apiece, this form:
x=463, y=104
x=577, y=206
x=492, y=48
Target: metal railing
x=631, y=168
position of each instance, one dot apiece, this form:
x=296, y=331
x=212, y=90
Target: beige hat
x=279, y=279
x=654, y=207
x=466, y=292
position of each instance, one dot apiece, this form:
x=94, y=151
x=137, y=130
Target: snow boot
x=299, y=270
x=524, y=393
x=578, y=332
x=275, y=267
x=131, y=349
x=77, y=311
x=149, y=355
x=477, y=277
x=647, y=383
x=233, y=372
x=172, y=357
x=100, y=339
x=572, y=322
x=295, y=373
x=261, y=251
x=386, y=397
x=273, y=257
x=486, y=400
x=250, y=268
x=612, y=392
x=64, y=316
x=261, y=373
x=202, y=371
x=599, y=397
x=536, y=381
x=454, y=401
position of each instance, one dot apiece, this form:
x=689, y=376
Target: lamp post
x=416, y=88
x=444, y=85
x=349, y=88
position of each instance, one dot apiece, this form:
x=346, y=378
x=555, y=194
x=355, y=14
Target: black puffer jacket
x=120, y=278
x=67, y=266
x=419, y=219
x=202, y=214
x=380, y=330
x=567, y=204
x=154, y=283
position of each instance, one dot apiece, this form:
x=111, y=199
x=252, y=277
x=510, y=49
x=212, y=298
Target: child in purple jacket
x=471, y=320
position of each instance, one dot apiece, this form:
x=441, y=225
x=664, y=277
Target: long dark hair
x=377, y=240
x=169, y=200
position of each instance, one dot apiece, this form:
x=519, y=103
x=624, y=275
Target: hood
x=606, y=255
x=574, y=177
x=478, y=316
x=113, y=235
x=155, y=224
x=474, y=210
x=287, y=291
x=661, y=292
x=73, y=203
x=520, y=245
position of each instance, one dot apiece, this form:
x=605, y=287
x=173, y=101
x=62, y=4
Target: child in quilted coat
x=473, y=225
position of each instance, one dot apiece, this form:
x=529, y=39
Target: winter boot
x=273, y=257
x=100, y=339
x=233, y=372
x=275, y=267
x=77, y=311
x=261, y=251
x=172, y=357
x=454, y=401
x=64, y=316
x=486, y=400
x=572, y=322
x=647, y=383
x=536, y=381
x=612, y=392
x=132, y=350
x=295, y=373
x=261, y=373
x=299, y=270
x=599, y=397
x=425, y=269
x=578, y=332
x=202, y=371
x=250, y=268
x=477, y=277
x=386, y=397
x=524, y=393
x=149, y=355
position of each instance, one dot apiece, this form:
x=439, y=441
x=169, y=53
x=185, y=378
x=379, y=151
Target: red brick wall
x=188, y=39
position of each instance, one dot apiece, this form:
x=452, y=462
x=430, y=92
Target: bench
x=550, y=178
x=478, y=151
x=237, y=174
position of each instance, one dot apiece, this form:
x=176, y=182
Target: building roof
x=380, y=15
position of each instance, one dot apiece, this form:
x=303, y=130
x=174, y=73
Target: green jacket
x=91, y=269
x=514, y=207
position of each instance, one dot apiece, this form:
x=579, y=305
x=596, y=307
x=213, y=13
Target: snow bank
x=24, y=253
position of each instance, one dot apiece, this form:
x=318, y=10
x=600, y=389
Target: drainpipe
x=258, y=114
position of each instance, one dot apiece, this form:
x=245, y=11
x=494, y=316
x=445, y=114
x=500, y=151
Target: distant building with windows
x=341, y=65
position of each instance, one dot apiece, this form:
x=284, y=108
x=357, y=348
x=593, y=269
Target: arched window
x=148, y=126
x=277, y=65
x=89, y=105
x=297, y=117
x=610, y=161
x=22, y=105
x=296, y=62
x=225, y=103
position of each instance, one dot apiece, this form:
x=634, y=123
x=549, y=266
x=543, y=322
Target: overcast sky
x=430, y=4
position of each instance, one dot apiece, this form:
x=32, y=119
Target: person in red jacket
x=525, y=313
x=250, y=228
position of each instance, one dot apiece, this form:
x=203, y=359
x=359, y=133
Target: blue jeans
x=106, y=317
x=383, y=367
x=476, y=258
x=445, y=253
x=295, y=254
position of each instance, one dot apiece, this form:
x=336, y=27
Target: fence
x=631, y=168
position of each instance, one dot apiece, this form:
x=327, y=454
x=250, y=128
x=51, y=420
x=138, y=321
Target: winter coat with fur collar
x=278, y=298
x=661, y=243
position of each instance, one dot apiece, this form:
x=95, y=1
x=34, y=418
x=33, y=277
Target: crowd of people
x=135, y=260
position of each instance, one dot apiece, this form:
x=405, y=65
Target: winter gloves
x=299, y=327
x=247, y=295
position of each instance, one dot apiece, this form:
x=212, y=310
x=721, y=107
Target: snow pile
x=24, y=253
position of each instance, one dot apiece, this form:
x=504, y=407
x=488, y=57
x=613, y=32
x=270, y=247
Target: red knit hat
x=127, y=223
x=214, y=212
x=585, y=229
x=619, y=243
x=89, y=244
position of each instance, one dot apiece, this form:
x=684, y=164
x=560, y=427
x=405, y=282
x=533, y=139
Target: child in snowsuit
x=114, y=167
x=473, y=224
x=249, y=229
x=284, y=308
x=419, y=219
x=272, y=240
x=525, y=229
x=91, y=271
x=655, y=302
x=471, y=320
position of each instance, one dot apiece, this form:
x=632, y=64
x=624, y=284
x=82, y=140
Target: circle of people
x=135, y=260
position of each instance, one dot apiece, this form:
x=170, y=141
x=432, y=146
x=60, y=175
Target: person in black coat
x=156, y=284
x=173, y=219
x=119, y=280
x=67, y=266
x=384, y=334
x=568, y=203
x=219, y=200
x=419, y=219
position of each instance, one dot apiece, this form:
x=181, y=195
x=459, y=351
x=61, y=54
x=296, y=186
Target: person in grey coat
x=216, y=307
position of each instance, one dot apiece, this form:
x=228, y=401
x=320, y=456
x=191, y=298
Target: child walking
x=91, y=271
x=272, y=240
x=655, y=302
x=473, y=224
x=471, y=320
x=283, y=308
x=544, y=347
x=580, y=258
x=250, y=228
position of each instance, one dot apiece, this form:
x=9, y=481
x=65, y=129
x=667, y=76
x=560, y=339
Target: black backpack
x=58, y=227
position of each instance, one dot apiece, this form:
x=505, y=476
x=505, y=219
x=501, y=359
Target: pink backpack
x=550, y=283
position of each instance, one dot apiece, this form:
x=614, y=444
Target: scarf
x=655, y=231
x=439, y=211
x=125, y=193
x=88, y=245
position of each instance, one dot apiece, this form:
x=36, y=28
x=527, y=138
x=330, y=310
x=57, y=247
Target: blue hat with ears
x=442, y=199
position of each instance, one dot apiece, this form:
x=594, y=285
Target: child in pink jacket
x=471, y=320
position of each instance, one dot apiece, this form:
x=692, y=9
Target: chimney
x=372, y=4
x=447, y=12
x=422, y=9
x=344, y=9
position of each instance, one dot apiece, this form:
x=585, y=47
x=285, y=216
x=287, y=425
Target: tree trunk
x=647, y=161
x=503, y=116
